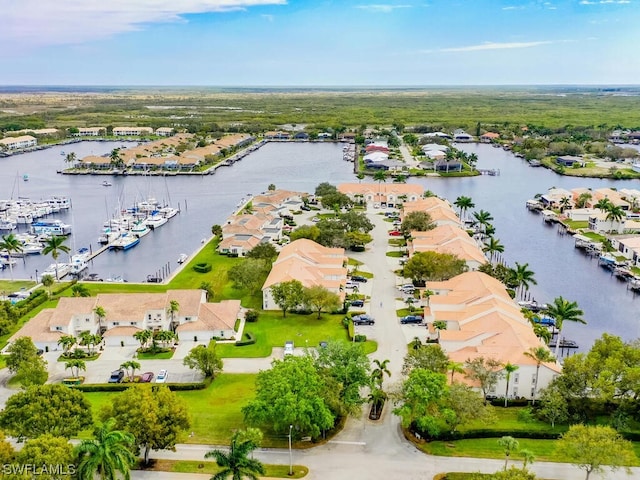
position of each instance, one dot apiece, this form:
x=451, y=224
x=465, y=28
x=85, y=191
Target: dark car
x=358, y=278
x=116, y=377
x=146, y=377
x=411, y=319
x=363, y=320
x=357, y=303
x=305, y=208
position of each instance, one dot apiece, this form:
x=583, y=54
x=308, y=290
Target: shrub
x=119, y=387
x=248, y=338
x=202, y=267
x=360, y=338
x=251, y=315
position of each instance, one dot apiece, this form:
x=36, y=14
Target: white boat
x=168, y=212
x=155, y=221
x=140, y=229
x=6, y=260
x=125, y=242
x=108, y=235
x=52, y=227
x=106, y=183
x=23, y=218
x=62, y=203
x=62, y=270
x=6, y=224
x=32, y=248
x=182, y=258
x=78, y=265
x=115, y=279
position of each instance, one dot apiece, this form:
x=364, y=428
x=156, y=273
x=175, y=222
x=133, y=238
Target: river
x=206, y=200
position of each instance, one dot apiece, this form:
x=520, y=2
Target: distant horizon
x=302, y=43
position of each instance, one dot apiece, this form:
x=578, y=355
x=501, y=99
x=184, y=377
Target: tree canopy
x=288, y=295
x=205, y=360
x=418, y=221
x=424, y=266
x=46, y=409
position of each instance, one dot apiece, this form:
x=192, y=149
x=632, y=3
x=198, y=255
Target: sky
x=319, y=43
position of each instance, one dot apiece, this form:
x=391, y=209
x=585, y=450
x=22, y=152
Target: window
x=515, y=392
x=533, y=378
x=86, y=320
x=532, y=392
x=149, y=317
x=187, y=319
x=133, y=323
x=516, y=378
x=58, y=329
x=115, y=324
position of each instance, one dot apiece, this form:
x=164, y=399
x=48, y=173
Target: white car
x=288, y=348
x=162, y=376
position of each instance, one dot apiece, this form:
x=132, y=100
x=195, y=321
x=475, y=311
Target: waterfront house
x=279, y=135
x=483, y=321
x=374, y=157
x=439, y=210
x=555, y=196
x=165, y=131
x=438, y=135
x=128, y=313
x=461, y=136
x=301, y=136
x=435, y=154
x=309, y=263
x=570, y=160
x=132, y=131
x=346, y=137
x=16, y=143
x=451, y=239
x=599, y=223
x=629, y=246
x=387, y=193
x=90, y=132
x=615, y=197
x=373, y=147
x=489, y=137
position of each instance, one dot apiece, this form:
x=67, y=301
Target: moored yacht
x=155, y=220
x=52, y=227
x=182, y=258
x=168, y=212
x=59, y=271
x=139, y=229
x=124, y=242
x=7, y=225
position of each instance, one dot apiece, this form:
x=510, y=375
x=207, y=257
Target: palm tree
x=494, y=246
x=562, y=310
x=89, y=340
x=510, y=445
x=236, y=463
x=378, y=373
x=101, y=314
x=540, y=355
x=66, y=342
x=455, y=367
x=164, y=337
x=80, y=290
x=71, y=158
x=527, y=457
x=484, y=219
x=116, y=160
x=564, y=204
x=360, y=176
x=109, y=452
x=464, y=204
x=509, y=368
x=614, y=214
x=472, y=160
x=172, y=309
x=376, y=397
x=75, y=365
x=11, y=244
x=603, y=204
x=143, y=336
x=130, y=365
x=449, y=157
x=523, y=277
x=54, y=246
x=47, y=281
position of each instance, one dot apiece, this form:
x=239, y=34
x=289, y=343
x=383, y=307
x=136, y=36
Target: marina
x=560, y=269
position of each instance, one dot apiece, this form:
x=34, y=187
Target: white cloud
x=512, y=7
x=381, y=8
x=36, y=23
x=495, y=46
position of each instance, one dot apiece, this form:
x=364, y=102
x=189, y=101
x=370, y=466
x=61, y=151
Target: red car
x=146, y=377
x=395, y=233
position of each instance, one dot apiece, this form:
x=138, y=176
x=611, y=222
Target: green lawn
x=576, y=224
x=353, y=262
x=395, y=254
x=211, y=468
x=155, y=356
x=272, y=330
x=10, y=286
x=594, y=236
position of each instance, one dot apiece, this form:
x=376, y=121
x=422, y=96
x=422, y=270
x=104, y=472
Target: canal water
x=206, y=200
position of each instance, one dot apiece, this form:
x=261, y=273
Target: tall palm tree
x=561, y=311
x=464, y=204
x=105, y=455
x=540, y=355
x=494, y=246
x=378, y=373
x=472, y=160
x=71, y=158
x=101, y=314
x=509, y=368
x=523, y=277
x=484, y=219
x=614, y=214
x=143, y=336
x=565, y=203
x=66, y=342
x=54, y=246
x=603, y=204
x=376, y=397
x=172, y=309
x=11, y=244
x=455, y=367
x=236, y=463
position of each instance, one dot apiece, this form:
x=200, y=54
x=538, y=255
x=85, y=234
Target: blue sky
x=319, y=43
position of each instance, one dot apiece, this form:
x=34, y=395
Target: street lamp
x=36, y=276
x=290, y=453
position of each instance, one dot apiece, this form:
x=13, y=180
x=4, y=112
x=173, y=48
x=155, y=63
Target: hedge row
x=119, y=387
x=250, y=339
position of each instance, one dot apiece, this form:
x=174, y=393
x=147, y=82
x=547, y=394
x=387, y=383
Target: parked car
x=288, y=348
x=351, y=284
x=162, y=376
x=146, y=377
x=407, y=288
x=395, y=233
x=117, y=376
x=411, y=319
x=357, y=303
x=363, y=320
x=358, y=278
x=305, y=208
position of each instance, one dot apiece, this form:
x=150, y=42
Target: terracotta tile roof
x=214, y=316
x=380, y=189
x=70, y=306
x=38, y=328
